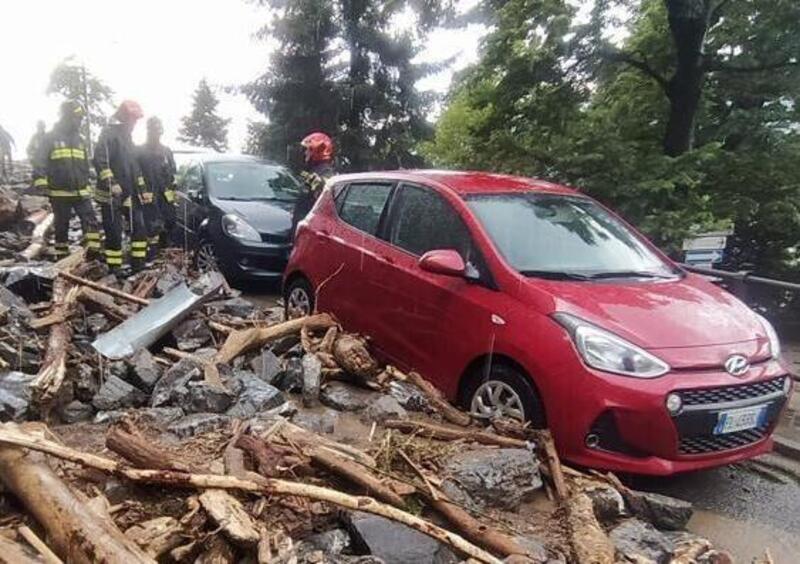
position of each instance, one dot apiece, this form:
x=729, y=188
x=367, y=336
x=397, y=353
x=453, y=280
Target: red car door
x=429, y=322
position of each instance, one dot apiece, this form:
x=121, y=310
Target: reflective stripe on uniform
x=140, y=180
x=102, y=196
x=105, y=174
x=154, y=240
x=67, y=153
x=58, y=193
x=169, y=196
x=113, y=257
x=40, y=183
x=138, y=249
x=93, y=240
x=127, y=202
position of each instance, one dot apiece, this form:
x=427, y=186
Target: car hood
x=266, y=216
x=689, y=312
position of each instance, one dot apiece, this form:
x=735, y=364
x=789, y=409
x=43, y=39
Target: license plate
x=742, y=419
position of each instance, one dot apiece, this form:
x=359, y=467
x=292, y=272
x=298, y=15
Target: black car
x=236, y=214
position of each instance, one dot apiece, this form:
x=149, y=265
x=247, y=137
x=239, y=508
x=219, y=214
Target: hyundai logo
x=737, y=365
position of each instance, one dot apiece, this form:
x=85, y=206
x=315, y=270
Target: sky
x=155, y=52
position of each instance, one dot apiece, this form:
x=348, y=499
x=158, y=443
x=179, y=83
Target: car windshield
x=565, y=237
x=251, y=181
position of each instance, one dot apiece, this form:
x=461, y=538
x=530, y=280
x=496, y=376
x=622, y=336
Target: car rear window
x=363, y=205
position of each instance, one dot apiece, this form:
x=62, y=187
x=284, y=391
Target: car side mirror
x=193, y=195
x=446, y=262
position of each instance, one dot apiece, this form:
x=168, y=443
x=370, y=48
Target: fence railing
x=739, y=282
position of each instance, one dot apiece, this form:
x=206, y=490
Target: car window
x=192, y=179
x=251, y=180
x=363, y=205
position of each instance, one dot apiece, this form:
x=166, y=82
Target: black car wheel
x=298, y=298
x=205, y=257
x=504, y=392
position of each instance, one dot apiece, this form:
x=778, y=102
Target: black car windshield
x=564, y=237
x=242, y=180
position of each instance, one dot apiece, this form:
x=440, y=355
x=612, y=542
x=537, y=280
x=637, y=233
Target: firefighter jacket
x=61, y=165
x=158, y=168
x=116, y=163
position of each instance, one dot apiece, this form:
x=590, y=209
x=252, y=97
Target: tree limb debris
x=105, y=289
x=449, y=433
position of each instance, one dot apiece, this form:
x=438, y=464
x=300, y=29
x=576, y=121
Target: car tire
x=298, y=298
x=205, y=256
x=509, y=387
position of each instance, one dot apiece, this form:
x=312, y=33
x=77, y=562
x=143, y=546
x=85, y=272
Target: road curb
x=786, y=447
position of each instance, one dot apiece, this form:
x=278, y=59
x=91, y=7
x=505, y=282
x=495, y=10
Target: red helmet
x=319, y=147
x=128, y=111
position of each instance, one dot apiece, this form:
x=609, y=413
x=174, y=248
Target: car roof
x=464, y=183
x=229, y=158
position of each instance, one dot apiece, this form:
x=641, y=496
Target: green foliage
x=203, y=127
x=545, y=101
x=74, y=82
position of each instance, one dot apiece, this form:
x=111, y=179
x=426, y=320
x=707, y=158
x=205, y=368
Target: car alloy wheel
x=206, y=258
x=299, y=302
x=494, y=398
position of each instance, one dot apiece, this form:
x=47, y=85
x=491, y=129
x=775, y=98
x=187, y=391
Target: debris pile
x=165, y=418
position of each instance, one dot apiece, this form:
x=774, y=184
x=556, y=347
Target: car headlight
x=772, y=335
x=605, y=351
x=234, y=226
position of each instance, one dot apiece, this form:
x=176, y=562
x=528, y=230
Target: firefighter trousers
x=154, y=225
x=62, y=213
x=112, y=213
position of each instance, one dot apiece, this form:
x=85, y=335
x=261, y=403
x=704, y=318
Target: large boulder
x=607, y=502
x=394, y=543
x=662, y=511
x=254, y=396
x=202, y=397
x=383, y=408
x=116, y=393
x=502, y=478
x=267, y=366
x=637, y=541
x=322, y=422
x=174, y=383
x=143, y=370
x=191, y=334
x=345, y=397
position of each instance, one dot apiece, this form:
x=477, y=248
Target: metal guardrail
x=742, y=278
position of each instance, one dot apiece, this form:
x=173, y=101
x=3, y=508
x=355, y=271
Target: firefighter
x=121, y=190
x=158, y=168
x=62, y=169
x=319, y=164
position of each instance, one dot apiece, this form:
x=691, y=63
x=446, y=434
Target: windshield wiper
x=628, y=274
x=554, y=275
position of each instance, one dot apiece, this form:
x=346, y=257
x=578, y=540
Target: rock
x=86, y=383
x=143, y=370
x=637, y=540
x=409, y=396
x=96, y=323
x=332, y=542
x=15, y=395
x=29, y=203
x=116, y=393
x=15, y=304
x=662, y=511
x=167, y=281
x=312, y=379
x=383, y=408
x=76, y=411
x=392, y=542
x=235, y=307
x=255, y=396
x=202, y=397
x=291, y=379
x=159, y=416
x=174, y=382
x=322, y=423
x=345, y=397
x=688, y=547
x=192, y=334
x=607, y=502
x=533, y=546
x=197, y=423
x=501, y=478
x=283, y=345
x=269, y=366
x=352, y=354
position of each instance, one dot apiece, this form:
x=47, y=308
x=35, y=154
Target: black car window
x=363, y=205
x=192, y=180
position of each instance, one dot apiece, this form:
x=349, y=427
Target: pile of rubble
x=187, y=424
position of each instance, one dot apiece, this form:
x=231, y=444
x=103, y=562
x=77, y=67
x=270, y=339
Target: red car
x=525, y=298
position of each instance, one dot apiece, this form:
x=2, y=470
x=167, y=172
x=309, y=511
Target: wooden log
x=38, y=238
x=11, y=435
x=449, y=433
x=105, y=289
x=76, y=533
x=547, y=452
x=356, y=473
x=146, y=286
x=32, y=539
x=266, y=458
x=227, y=512
x=217, y=551
x=140, y=451
x=102, y=303
x=589, y=542
x=438, y=401
x=157, y=536
x=13, y=552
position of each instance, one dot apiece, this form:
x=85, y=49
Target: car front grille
x=714, y=443
x=705, y=396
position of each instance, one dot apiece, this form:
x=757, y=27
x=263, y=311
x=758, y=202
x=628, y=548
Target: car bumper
x=622, y=424
x=253, y=260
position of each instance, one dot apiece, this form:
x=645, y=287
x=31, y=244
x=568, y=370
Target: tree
x=74, y=82
x=203, y=127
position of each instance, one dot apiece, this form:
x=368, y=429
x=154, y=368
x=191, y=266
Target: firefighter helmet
x=129, y=111
x=319, y=147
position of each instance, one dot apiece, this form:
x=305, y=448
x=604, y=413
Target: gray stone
x=255, y=396
x=637, y=540
x=175, y=381
x=662, y=511
x=15, y=395
x=383, y=408
x=96, y=323
x=202, y=397
x=197, y=423
x=312, y=379
x=322, y=423
x=235, y=307
x=283, y=345
x=492, y=477
x=76, y=411
x=168, y=280
x=392, y=542
x=191, y=334
x=291, y=379
x=116, y=393
x=332, y=542
x=269, y=366
x=143, y=370
x=15, y=304
x=159, y=416
x=607, y=502
x=86, y=383
x=533, y=547
x=409, y=396
x=345, y=397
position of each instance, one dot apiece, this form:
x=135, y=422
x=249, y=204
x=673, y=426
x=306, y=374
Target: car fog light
x=592, y=440
x=674, y=404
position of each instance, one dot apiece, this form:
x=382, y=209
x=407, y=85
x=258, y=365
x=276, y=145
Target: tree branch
x=717, y=65
x=641, y=64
